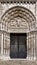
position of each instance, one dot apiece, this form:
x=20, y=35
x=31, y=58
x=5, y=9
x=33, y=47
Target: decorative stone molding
x=18, y=1
x=20, y=18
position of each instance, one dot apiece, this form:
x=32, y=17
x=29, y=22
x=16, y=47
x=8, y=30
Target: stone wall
x=31, y=36
x=5, y=7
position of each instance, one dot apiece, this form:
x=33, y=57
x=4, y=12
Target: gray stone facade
x=18, y=18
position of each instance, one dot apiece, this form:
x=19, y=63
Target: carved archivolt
x=19, y=17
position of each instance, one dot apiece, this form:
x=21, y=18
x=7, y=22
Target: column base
x=31, y=58
x=4, y=57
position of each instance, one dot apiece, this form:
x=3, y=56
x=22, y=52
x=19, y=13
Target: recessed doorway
x=18, y=45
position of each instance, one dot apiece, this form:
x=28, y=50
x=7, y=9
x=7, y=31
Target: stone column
x=2, y=45
x=36, y=45
x=34, y=48
x=27, y=47
x=36, y=13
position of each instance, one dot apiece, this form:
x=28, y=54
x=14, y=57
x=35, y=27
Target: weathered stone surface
x=18, y=62
x=10, y=23
x=17, y=0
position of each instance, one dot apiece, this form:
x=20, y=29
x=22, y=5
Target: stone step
x=18, y=62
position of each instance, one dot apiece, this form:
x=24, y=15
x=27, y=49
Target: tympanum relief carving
x=18, y=23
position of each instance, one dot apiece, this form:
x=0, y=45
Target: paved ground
x=18, y=62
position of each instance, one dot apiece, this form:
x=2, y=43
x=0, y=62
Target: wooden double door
x=18, y=45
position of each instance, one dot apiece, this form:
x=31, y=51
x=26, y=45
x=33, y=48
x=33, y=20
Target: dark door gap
x=20, y=37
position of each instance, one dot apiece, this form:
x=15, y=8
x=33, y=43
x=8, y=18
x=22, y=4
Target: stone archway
x=17, y=20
